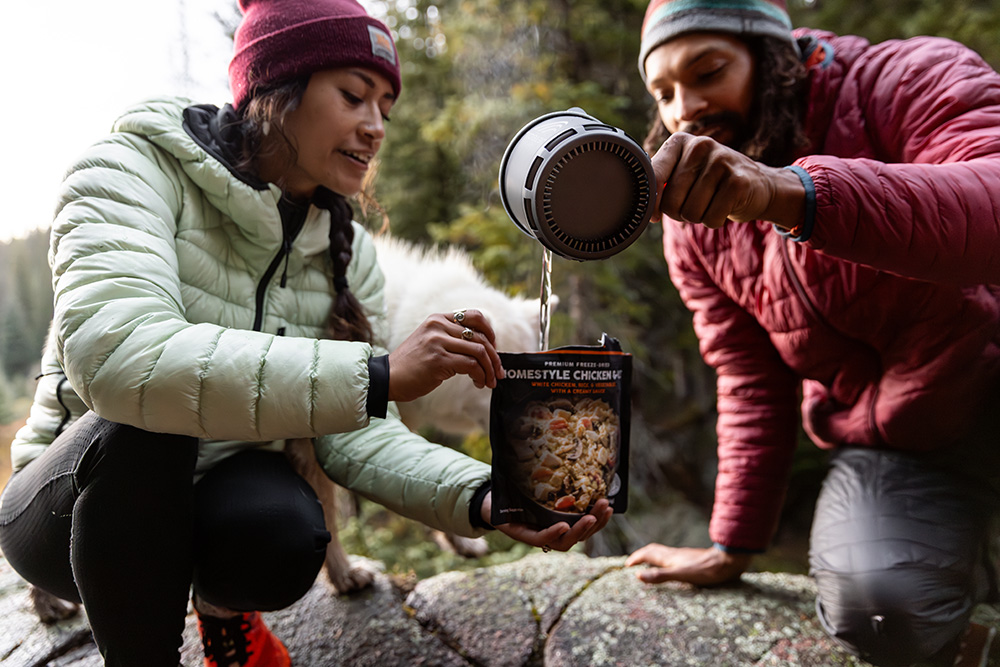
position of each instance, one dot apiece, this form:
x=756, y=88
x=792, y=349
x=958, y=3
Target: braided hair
x=776, y=131
x=265, y=113
x=346, y=320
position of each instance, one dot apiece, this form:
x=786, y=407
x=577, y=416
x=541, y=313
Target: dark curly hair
x=776, y=132
x=264, y=113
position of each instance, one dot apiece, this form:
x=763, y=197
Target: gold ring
x=459, y=315
x=546, y=548
x=468, y=333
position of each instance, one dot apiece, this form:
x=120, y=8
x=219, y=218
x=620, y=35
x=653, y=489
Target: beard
x=727, y=127
x=773, y=131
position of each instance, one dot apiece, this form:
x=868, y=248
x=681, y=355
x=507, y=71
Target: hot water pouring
x=580, y=187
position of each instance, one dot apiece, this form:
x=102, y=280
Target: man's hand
x=702, y=567
x=560, y=536
x=709, y=183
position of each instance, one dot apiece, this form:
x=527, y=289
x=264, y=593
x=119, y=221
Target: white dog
x=421, y=281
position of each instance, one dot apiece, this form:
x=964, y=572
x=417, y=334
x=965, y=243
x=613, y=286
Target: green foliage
x=477, y=445
x=494, y=67
x=975, y=23
x=405, y=546
x=25, y=303
x=19, y=351
x=7, y=413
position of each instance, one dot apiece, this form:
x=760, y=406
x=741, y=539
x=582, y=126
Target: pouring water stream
x=546, y=292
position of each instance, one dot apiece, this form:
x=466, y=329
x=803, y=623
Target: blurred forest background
x=474, y=72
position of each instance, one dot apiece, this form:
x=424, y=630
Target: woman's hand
x=442, y=346
x=702, y=567
x=560, y=536
x=709, y=183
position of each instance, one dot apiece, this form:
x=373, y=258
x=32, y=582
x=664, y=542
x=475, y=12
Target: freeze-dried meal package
x=559, y=433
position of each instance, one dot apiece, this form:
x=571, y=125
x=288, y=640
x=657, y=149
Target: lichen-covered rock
x=497, y=629
x=23, y=639
x=620, y=621
x=500, y=616
x=566, y=610
x=557, y=610
x=369, y=628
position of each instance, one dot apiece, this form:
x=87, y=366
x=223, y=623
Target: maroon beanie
x=281, y=40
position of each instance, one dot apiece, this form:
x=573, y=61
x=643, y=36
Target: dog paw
x=51, y=609
x=354, y=578
x=468, y=547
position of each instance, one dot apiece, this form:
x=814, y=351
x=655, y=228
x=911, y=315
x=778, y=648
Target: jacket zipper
x=799, y=289
x=258, y=317
x=814, y=311
x=290, y=229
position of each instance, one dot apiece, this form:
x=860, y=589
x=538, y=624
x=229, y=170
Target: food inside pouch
x=559, y=432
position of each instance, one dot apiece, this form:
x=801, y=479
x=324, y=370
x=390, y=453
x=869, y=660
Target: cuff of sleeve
x=476, y=506
x=736, y=550
x=802, y=232
x=377, y=404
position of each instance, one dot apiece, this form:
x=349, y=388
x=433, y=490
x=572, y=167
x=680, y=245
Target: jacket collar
x=217, y=131
x=205, y=141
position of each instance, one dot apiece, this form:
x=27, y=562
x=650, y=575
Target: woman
x=201, y=258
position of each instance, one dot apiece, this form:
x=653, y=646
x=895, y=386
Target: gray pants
x=900, y=555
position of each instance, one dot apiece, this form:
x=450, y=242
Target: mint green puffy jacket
x=159, y=258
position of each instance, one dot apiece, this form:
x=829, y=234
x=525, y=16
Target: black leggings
x=110, y=516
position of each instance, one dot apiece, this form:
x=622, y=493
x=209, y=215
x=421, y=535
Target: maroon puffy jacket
x=905, y=162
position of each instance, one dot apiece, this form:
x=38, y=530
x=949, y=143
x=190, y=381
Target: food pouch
x=559, y=433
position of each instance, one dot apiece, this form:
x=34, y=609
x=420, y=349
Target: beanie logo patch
x=382, y=45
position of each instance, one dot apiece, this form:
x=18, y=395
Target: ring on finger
x=546, y=548
x=459, y=315
x=467, y=333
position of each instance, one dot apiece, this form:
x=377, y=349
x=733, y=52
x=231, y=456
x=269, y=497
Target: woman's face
x=337, y=129
x=703, y=84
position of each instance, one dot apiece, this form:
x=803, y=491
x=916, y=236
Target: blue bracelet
x=806, y=228
x=736, y=550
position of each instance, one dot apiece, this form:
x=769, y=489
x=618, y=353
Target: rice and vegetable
x=566, y=452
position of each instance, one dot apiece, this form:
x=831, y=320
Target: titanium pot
x=582, y=188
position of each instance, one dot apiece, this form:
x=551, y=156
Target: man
x=830, y=219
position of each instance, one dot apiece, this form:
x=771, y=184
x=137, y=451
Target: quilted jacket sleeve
x=756, y=401
x=120, y=331
x=920, y=194
x=402, y=471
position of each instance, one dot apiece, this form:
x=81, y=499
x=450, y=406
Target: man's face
x=703, y=84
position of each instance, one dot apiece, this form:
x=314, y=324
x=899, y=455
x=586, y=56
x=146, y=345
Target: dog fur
x=51, y=609
x=420, y=281
x=344, y=576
